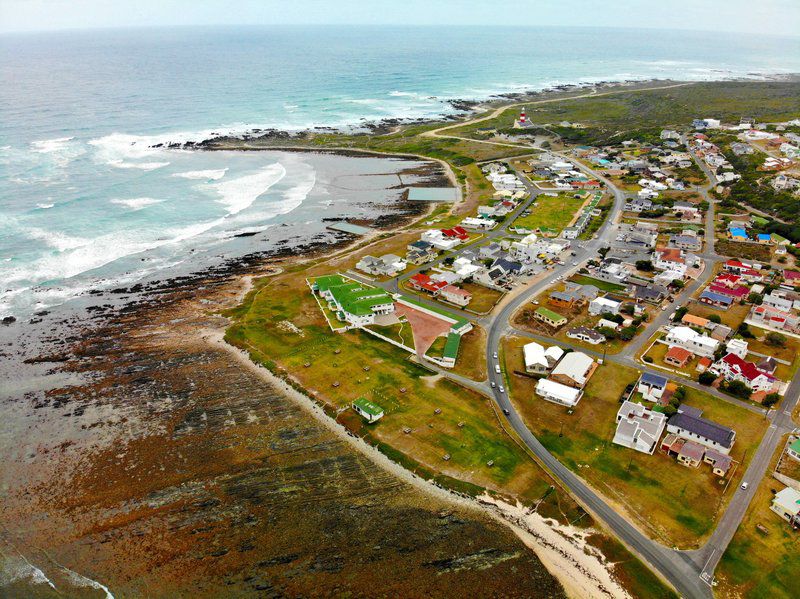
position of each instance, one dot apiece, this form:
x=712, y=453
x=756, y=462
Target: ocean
x=86, y=202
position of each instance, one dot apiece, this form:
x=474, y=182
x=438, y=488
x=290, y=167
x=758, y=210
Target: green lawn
x=601, y=285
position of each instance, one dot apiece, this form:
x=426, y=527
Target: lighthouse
x=522, y=121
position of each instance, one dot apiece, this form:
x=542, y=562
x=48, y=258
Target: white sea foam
x=239, y=194
x=48, y=146
x=145, y=166
x=136, y=203
x=56, y=239
x=44, y=206
x=291, y=199
x=208, y=175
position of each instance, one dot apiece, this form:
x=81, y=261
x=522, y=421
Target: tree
x=706, y=378
x=607, y=332
x=677, y=284
x=715, y=318
x=775, y=339
x=670, y=410
x=449, y=260
x=645, y=265
x=744, y=331
x=739, y=389
x=755, y=298
x=679, y=313
x=771, y=400
x=680, y=394
x=627, y=333
x=628, y=309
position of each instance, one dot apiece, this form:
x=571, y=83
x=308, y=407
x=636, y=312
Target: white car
x=494, y=355
x=493, y=385
x=574, y=264
x=502, y=389
x=744, y=485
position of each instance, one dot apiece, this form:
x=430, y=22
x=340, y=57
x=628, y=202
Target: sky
x=776, y=17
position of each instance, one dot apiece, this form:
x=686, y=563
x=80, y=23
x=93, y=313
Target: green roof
x=451, y=346
x=795, y=446
x=354, y=298
x=554, y=316
x=368, y=407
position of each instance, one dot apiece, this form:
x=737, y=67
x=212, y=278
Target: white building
x=438, y=239
x=479, y=224
x=693, y=341
x=558, y=393
x=538, y=360
x=737, y=347
x=574, y=369
x=639, y=428
x=600, y=305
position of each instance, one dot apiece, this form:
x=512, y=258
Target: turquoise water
x=86, y=202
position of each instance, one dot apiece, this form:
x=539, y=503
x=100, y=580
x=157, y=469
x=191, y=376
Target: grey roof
x=496, y=273
x=688, y=239
x=591, y=333
x=560, y=295
x=508, y=265
x=704, y=428
x=421, y=245
x=655, y=293
x=654, y=380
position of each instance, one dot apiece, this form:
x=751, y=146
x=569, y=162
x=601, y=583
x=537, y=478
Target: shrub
x=645, y=265
x=706, y=378
x=744, y=331
x=771, y=400
x=627, y=333
x=648, y=359
x=715, y=318
x=775, y=339
x=739, y=389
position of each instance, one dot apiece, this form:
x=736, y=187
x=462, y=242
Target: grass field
x=731, y=317
x=759, y=566
x=553, y=213
x=601, y=285
x=483, y=298
x=674, y=504
x=471, y=361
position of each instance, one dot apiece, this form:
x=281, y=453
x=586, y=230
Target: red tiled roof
x=671, y=255
x=425, y=282
x=747, y=369
x=678, y=353
x=453, y=290
x=739, y=291
x=791, y=275
x=727, y=278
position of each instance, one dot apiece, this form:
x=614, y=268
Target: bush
x=680, y=394
x=771, y=400
x=775, y=339
x=648, y=359
x=677, y=284
x=739, y=389
x=715, y=318
x=744, y=331
x=645, y=265
x=679, y=313
x=670, y=410
x=706, y=378
x=607, y=332
x=627, y=333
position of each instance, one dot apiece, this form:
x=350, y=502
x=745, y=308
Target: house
x=584, y=292
x=369, y=411
x=639, y=204
x=779, y=301
x=549, y=317
x=653, y=294
x=764, y=238
x=539, y=360
x=574, y=370
x=691, y=319
x=605, y=323
x=651, y=386
x=558, y=393
x=352, y=302
x=388, y=265
x=587, y=335
x=438, y=240
x=767, y=364
x=422, y=282
x=737, y=347
x=562, y=299
x=686, y=208
x=670, y=259
x=715, y=300
x=691, y=454
x=696, y=343
x=459, y=233
x=720, y=462
x=601, y=305
x=737, y=292
x=420, y=252
x=677, y=356
x=685, y=242
x=639, y=428
x=689, y=424
x=786, y=504
x=734, y=368
x=455, y=295
x=479, y=224
x=793, y=451
x=774, y=319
